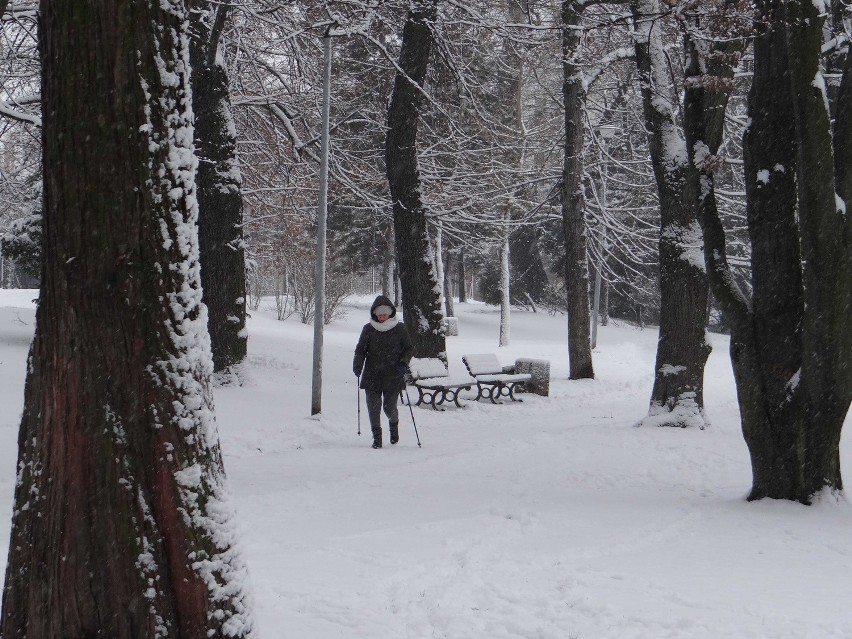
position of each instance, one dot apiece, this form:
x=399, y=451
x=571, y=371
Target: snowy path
x=550, y=519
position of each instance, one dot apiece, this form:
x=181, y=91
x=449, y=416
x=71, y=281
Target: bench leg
x=452, y=394
x=511, y=388
x=437, y=399
x=420, y=398
x=488, y=391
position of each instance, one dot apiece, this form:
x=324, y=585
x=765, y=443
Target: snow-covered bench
x=433, y=383
x=491, y=380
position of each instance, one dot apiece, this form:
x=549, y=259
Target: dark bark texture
x=220, y=204
x=790, y=345
x=682, y=349
x=120, y=487
x=768, y=348
x=573, y=217
x=421, y=301
x=461, y=278
x=707, y=82
x=827, y=264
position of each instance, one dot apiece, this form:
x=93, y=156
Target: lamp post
x=605, y=132
x=322, y=215
x=332, y=29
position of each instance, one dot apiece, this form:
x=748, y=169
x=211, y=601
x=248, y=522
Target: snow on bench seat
x=491, y=381
x=433, y=383
x=505, y=377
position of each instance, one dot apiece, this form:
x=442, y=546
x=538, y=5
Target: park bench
x=429, y=375
x=491, y=380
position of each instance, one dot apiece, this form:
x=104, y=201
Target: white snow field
x=554, y=518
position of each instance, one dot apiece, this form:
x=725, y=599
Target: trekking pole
x=411, y=410
x=358, y=391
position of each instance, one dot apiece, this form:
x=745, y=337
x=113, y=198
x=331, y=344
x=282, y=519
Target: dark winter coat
x=382, y=356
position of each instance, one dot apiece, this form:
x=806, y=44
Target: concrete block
x=540, y=371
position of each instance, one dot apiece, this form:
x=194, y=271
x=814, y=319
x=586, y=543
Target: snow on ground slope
x=550, y=519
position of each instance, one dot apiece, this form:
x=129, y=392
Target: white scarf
x=388, y=324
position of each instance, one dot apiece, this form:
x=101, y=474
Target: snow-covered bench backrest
x=426, y=367
x=482, y=364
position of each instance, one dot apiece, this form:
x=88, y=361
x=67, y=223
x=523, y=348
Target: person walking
x=381, y=362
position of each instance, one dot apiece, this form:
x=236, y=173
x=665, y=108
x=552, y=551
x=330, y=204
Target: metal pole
x=597, y=298
x=413, y=423
x=322, y=214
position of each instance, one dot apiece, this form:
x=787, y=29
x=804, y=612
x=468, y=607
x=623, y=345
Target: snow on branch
x=10, y=112
x=622, y=53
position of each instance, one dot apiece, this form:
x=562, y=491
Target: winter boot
x=394, y=432
x=377, y=439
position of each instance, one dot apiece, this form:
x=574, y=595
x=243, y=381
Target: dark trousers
x=376, y=400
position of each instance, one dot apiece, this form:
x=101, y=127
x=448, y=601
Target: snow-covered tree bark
x=677, y=398
x=791, y=344
x=461, y=278
x=420, y=292
x=573, y=211
x=713, y=43
x=439, y=261
x=449, y=307
x=835, y=47
x=122, y=524
x=505, y=293
x=220, y=204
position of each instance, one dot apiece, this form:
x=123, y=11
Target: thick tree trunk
x=220, y=204
x=826, y=377
x=769, y=345
x=573, y=210
x=420, y=294
x=122, y=523
x=677, y=398
x=707, y=82
x=789, y=347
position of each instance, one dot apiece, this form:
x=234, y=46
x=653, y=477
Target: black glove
x=357, y=370
x=406, y=374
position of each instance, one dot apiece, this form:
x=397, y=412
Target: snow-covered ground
x=553, y=518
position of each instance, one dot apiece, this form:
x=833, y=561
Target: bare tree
x=573, y=212
x=420, y=297
x=677, y=398
x=790, y=341
x=220, y=203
